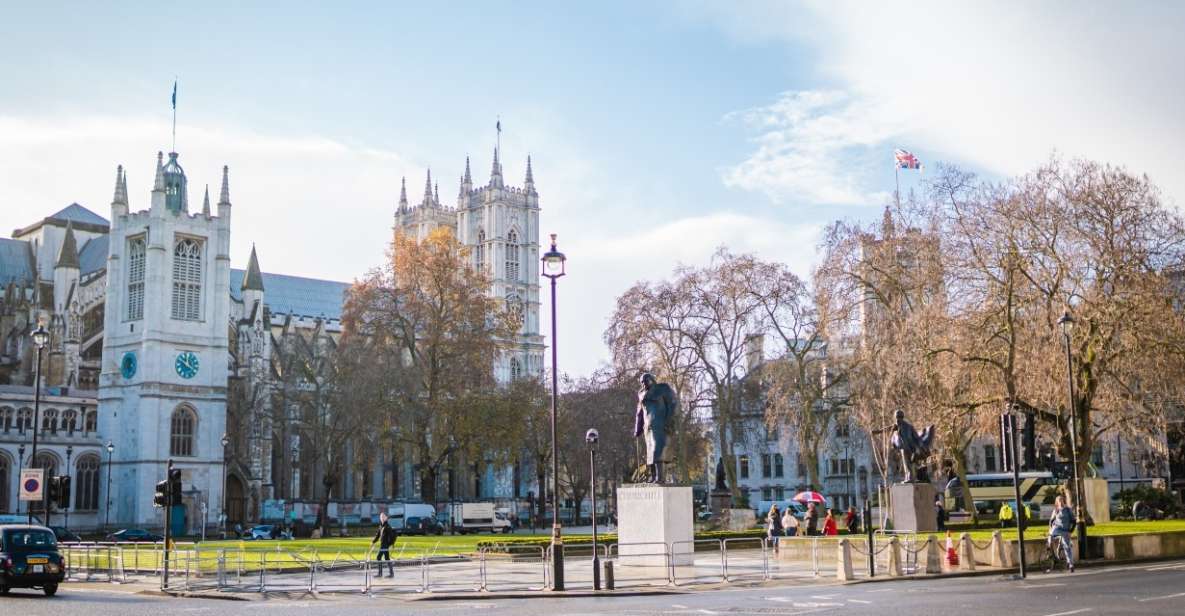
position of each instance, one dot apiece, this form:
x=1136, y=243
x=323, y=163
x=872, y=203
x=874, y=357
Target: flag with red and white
x=906, y=160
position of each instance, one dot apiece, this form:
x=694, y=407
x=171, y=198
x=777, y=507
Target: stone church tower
x=163, y=381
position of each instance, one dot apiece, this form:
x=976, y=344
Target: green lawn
x=1098, y=530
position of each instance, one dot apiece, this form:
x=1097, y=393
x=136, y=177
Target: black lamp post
x=68, y=487
x=591, y=437
x=1067, y=323
x=224, y=518
x=107, y=514
x=40, y=338
x=553, y=268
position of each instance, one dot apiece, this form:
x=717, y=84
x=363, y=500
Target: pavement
x=1146, y=589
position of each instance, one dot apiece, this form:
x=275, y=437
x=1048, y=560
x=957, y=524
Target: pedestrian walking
x=773, y=526
x=829, y=525
x=940, y=513
x=851, y=521
x=812, y=520
x=1061, y=525
x=386, y=538
x=789, y=522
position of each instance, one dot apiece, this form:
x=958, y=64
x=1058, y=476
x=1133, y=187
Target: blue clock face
x=187, y=364
x=127, y=365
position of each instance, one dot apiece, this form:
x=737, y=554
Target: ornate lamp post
x=69, y=454
x=1067, y=324
x=553, y=269
x=107, y=505
x=591, y=437
x=40, y=338
x=222, y=517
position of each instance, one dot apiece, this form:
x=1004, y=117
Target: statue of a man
x=656, y=404
x=914, y=447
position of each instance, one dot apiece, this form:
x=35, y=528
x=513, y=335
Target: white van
x=400, y=512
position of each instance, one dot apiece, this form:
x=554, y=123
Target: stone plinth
x=720, y=501
x=652, y=519
x=912, y=507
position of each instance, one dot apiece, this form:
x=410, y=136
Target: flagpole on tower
x=897, y=179
x=498, y=145
x=174, y=149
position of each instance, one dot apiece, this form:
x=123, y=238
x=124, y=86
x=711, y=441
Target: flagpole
x=174, y=149
x=897, y=179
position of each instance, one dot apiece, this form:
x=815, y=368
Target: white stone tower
x=162, y=390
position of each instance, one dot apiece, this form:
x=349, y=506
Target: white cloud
x=814, y=147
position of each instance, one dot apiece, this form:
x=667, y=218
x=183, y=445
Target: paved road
x=1137, y=589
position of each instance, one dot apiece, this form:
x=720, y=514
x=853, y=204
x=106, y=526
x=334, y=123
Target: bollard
x=894, y=557
x=967, y=553
x=608, y=574
x=933, y=556
x=843, y=563
x=999, y=559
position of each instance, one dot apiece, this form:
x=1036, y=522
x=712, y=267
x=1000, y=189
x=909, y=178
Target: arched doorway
x=236, y=500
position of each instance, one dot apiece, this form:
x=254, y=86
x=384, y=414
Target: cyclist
x=1061, y=525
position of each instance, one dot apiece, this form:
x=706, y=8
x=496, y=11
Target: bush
x=1153, y=497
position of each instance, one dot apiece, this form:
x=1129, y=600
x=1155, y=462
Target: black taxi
x=29, y=558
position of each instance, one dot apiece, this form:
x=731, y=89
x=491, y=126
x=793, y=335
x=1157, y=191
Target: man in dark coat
x=656, y=404
x=385, y=538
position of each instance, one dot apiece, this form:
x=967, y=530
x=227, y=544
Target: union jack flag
x=906, y=160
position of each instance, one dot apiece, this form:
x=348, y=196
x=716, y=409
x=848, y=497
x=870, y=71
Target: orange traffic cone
x=952, y=556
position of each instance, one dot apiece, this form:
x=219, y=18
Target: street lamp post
x=553, y=269
x=223, y=518
x=40, y=338
x=1067, y=324
x=107, y=505
x=68, y=487
x=591, y=437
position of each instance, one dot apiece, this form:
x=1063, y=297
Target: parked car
x=416, y=525
x=29, y=558
x=64, y=535
x=264, y=531
x=138, y=535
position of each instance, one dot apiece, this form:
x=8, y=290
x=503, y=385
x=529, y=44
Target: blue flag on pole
x=174, y=94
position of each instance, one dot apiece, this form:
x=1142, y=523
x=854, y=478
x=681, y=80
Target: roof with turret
x=295, y=295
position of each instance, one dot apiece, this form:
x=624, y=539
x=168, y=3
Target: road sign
x=32, y=484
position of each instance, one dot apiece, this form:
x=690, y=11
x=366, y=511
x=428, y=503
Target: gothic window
x=69, y=421
x=516, y=369
x=24, y=420
x=47, y=461
x=187, y=280
x=512, y=256
x=744, y=464
x=136, y=259
x=779, y=466
x=5, y=481
x=479, y=253
x=86, y=482
x=7, y=416
x=181, y=430
x=766, y=466
x=49, y=421
x=91, y=423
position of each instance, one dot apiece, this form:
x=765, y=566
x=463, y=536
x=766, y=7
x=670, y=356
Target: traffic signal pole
x=164, y=580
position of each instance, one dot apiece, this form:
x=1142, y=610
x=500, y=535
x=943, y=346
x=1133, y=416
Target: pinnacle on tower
x=436, y=196
x=158, y=184
x=206, y=202
x=428, y=187
x=403, y=193
x=253, y=279
x=496, y=171
x=224, y=198
x=530, y=181
x=468, y=179
x=121, y=188
x=68, y=253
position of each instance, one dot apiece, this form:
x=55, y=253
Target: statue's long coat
x=655, y=407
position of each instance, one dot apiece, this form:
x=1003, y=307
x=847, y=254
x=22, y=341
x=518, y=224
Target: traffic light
x=63, y=496
x=175, y=486
x=161, y=498
x=51, y=489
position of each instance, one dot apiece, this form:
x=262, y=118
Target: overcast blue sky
x=658, y=130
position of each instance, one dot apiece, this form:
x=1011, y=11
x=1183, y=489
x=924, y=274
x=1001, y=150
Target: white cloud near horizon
x=998, y=86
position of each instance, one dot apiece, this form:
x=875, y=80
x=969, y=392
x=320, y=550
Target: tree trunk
x=968, y=501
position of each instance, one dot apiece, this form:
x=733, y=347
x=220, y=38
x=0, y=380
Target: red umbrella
x=810, y=497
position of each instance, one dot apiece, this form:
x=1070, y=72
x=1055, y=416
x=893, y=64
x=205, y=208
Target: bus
x=991, y=490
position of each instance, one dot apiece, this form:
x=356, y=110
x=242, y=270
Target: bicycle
x=1055, y=555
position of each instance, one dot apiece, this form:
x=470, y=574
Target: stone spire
x=403, y=194
x=428, y=188
x=468, y=179
x=436, y=195
x=68, y=253
x=206, y=202
x=158, y=184
x=253, y=279
x=496, y=172
x=224, y=196
x=529, y=184
x=121, y=188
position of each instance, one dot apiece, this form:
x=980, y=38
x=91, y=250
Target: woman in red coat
x=829, y=526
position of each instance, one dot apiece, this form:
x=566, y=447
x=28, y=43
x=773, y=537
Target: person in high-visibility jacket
x=1005, y=515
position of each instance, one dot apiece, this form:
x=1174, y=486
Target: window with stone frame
x=70, y=421
x=512, y=256
x=479, y=251
x=187, y=279
x=24, y=420
x=7, y=419
x=767, y=466
x=49, y=421
x=136, y=263
x=743, y=462
x=90, y=424
x=516, y=369
x=989, y=458
x=779, y=466
x=181, y=430
x=86, y=483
